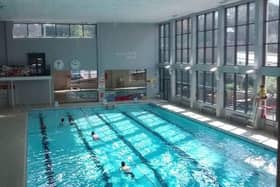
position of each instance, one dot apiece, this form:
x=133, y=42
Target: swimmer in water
x=126, y=169
x=94, y=136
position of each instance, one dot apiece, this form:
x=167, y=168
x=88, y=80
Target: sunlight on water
x=161, y=149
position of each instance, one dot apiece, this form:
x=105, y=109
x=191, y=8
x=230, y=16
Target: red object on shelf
x=123, y=98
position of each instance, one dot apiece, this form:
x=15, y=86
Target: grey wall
x=55, y=48
x=118, y=46
x=2, y=44
x=129, y=46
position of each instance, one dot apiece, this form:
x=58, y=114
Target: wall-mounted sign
x=75, y=64
x=58, y=65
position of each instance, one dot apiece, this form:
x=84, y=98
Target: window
x=183, y=40
x=271, y=101
x=272, y=43
x=206, y=87
x=183, y=83
x=164, y=83
x=34, y=30
x=207, y=34
x=76, y=31
x=240, y=34
x=239, y=92
x=20, y=30
x=89, y=31
x=38, y=30
x=62, y=30
x=164, y=51
x=49, y=30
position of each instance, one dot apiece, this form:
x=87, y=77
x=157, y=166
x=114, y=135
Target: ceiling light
x=187, y=68
x=213, y=69
x=167, y=67
x=250, y=71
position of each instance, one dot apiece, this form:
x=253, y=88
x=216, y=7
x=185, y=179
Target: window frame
x=213, y=47
x=181, y=35
x=266, y=22
x=43, y=31
x=236, y=26
x=166, y=48
x=213, y=87
x=246, y=95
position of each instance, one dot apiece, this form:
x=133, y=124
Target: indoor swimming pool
x=161, y=148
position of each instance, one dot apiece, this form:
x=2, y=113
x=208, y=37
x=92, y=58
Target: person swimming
x=61, y=122
x=94, y=136
x=126, y=169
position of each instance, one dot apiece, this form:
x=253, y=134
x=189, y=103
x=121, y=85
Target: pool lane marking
x=89, y=121
x=135, y=151
x=98, y=164
x=48, y=161
x=179, y=151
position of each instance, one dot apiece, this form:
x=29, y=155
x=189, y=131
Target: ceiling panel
x=102, y=10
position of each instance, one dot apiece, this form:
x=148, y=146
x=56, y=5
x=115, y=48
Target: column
x=220, y=63
x=193, y=62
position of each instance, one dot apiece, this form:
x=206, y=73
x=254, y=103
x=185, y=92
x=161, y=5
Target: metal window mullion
x=212, y=87
x=225, y=39
x=246, y=93
x=213, y=37
x=204, y=40
x=176, y=48
x=181, y=37
x=234, y=91
x=159, y=43
x=197, y=36
x=278, y=37
x=55, y=30
x=203, y=86
x=247, y=36
x=181, y=71
x=235, y=36
x=225, y=89
x=69, y=28
x=197, y=87
x=164, y=45
x=169, y=42
x=27, y=26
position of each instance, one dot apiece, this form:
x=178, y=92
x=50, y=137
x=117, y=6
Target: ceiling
x=93, y=11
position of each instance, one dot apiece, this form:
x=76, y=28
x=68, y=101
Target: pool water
x=160, y=147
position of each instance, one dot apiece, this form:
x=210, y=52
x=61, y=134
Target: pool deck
x=13, y=137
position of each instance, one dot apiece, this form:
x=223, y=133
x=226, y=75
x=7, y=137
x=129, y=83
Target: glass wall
x=183, y=83
x=206, y=87
x=239, y=92
x=272, y=33
x=207, y=34
x=183, y=41
x=164, y=51
x=239, y=42
x=240, y=35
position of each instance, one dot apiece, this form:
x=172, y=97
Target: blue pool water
x=161, y=148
